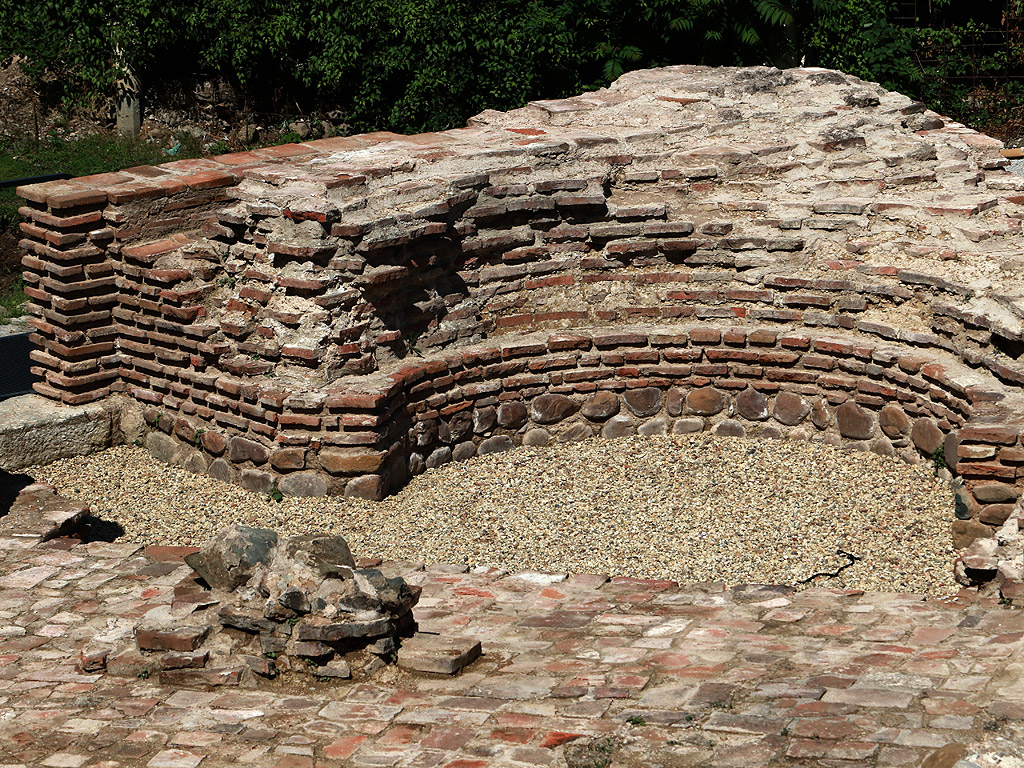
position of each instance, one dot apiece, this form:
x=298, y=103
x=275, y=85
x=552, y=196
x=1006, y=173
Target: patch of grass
x=11, y=300
x=97, y=153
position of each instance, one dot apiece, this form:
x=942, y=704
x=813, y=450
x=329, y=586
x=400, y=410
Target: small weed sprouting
x=197, y=436
x=291, y=623
x=636, y=720
x=1006, y=602
x=227, y=281
x=939, y=458
x=143, y=674
x=138, y=443
x=275, y=495
x=270, y=655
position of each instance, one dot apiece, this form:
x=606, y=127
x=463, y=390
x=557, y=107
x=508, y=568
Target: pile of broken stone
x=259, y=603
x=996, y=564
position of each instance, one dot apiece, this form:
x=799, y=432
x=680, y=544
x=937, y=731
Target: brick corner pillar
x=72, y=287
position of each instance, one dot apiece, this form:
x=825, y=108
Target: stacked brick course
x=750, y=251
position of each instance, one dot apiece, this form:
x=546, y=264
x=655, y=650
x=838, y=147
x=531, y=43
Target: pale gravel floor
x=689, y=508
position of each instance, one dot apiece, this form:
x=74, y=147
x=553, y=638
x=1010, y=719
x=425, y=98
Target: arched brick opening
x=751, y=251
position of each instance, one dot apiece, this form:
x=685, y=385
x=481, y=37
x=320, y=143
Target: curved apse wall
x=752, y=251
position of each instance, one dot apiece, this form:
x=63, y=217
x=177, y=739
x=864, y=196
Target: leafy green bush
x=405, y=65
x=412, y=65
x=937, y=63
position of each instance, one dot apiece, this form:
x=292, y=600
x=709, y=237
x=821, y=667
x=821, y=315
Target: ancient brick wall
x=749, y=251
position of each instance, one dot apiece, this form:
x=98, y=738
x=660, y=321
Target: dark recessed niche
x=1010, y=347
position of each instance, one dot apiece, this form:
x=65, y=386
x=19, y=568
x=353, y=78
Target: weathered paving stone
x=575, y=432
x=618, y=426
x=460, y=427
x=821, y=416
x=790, y=409
x=222, y=470
x=854, y=422
x=537, y=437
x=439, y=457
x=496, y=444
x=752, y=405
x=180, y=639
x=366, y=487
x=674, y=401
x=511, y=415
x=196, y=462
x=241, y=449
x=705, y=401
x=484, y=419
x=645, y=401
x=232, y=557
x=438, y=655
x=893, y=421
x=729, y=428
x=600, y=406
x=463, y=451
x=304, y=484
x=927, y=436
x=835, y=719
x=687, y=426
x=549, y=409
x=655, y=426
x=257, y=481
x=163, y=447
x=994, y=493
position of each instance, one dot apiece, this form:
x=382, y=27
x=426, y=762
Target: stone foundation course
x=749, y=251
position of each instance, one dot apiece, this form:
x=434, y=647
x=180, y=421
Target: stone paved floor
x=636, y=672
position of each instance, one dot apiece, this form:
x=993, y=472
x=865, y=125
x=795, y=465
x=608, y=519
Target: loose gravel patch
x=690, y=508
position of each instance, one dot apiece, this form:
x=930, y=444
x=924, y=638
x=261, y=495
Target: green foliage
x=413, y=65
x=938, y=64
x=11, y=301
x=404, y=65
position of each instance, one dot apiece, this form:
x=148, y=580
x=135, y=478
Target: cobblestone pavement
x=578, y=669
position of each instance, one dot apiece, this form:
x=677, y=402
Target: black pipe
x=34, y=180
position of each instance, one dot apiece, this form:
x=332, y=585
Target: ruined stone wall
x=751, y=251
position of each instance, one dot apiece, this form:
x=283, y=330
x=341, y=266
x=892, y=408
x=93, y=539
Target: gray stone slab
x=34, y=430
